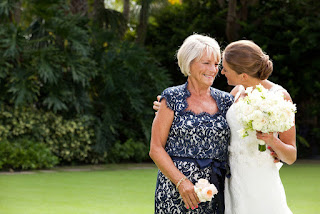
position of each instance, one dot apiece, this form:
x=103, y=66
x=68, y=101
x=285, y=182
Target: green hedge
x=26, y=154
x=53, y=139
x=71, y=140
x=128, y=151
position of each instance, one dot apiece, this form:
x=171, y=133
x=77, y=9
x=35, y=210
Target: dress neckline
x=188, y=94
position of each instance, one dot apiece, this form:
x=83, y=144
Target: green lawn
x=302, y=185
x=123, y=189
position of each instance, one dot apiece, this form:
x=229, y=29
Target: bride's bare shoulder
x=236, y=89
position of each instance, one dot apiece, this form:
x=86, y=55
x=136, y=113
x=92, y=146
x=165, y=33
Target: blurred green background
x=78, y=77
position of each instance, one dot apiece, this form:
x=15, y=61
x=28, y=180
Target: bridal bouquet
x=264, y=111
x=205, y=191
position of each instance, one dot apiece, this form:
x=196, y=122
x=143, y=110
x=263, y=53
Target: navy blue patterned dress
x=197, y=144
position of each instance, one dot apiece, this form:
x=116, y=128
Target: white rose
x=259, y=120
x=202, y=183
x=264, y=111
x=204, y=190
x=208, y=192
x=249, y=90
x=242, y=133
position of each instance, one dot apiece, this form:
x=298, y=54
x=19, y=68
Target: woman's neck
x=195, y=88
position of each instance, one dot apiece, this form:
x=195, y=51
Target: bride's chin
x=230, y=83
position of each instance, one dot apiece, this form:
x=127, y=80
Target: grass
x=122, y=189
x=302, y=186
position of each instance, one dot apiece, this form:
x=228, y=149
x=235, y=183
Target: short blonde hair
x=244, y=56
x=194, y=47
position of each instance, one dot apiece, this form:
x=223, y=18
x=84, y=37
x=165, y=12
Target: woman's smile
x=204, y=70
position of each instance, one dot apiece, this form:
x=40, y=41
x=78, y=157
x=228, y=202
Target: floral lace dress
x=198, y=146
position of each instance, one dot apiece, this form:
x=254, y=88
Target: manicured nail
x=187, y=207
x=197, y=206
x=192, y=208
x=269, y=147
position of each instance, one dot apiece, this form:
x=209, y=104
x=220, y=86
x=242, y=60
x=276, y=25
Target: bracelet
x=182, y=179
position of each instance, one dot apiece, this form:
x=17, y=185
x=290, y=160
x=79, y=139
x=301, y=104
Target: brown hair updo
x=245, y=56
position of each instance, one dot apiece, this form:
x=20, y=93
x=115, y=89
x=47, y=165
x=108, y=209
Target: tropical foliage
x=289, y=31
x=69, y=81
x=80, y=77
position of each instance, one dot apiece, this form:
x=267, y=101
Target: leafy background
x=78, y=77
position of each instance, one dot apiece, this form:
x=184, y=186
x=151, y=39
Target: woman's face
x=204, y=70
x=232, y=76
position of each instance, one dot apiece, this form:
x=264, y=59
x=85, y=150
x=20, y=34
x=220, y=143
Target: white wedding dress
x=255, y=186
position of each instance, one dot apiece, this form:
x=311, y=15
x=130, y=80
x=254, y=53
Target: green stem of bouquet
x=262, y=148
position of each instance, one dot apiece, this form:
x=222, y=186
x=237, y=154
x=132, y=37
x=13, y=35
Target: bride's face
x=232, y=76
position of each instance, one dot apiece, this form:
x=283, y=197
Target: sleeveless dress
x=255, y=186
x=197, y=144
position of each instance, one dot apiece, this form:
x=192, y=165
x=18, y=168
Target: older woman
x=190, y=133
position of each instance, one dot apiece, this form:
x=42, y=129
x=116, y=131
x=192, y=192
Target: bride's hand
x=269, y=138
x=156, y=104
x=274, y=155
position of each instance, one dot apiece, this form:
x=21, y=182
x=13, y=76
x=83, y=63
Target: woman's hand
x=274, y=154
x=269, y=139
x=189, y=196
x=156, y=104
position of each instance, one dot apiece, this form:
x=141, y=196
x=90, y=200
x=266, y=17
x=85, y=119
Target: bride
x=255, y=186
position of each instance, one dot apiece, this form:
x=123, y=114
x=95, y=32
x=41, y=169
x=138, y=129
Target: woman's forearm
x=286, y=152
x=164, y=162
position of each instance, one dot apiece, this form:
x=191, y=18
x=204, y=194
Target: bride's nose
x=222, y=71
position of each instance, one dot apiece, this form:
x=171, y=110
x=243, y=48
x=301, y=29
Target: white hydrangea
x=265, y=111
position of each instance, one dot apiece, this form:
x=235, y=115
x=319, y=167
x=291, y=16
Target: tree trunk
x=232, y=28
x=244, y=8
x=126, y=10
x=17, y=12
x=98, y=11
x=143, y=22
x=79, y=6
x=221, y=3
